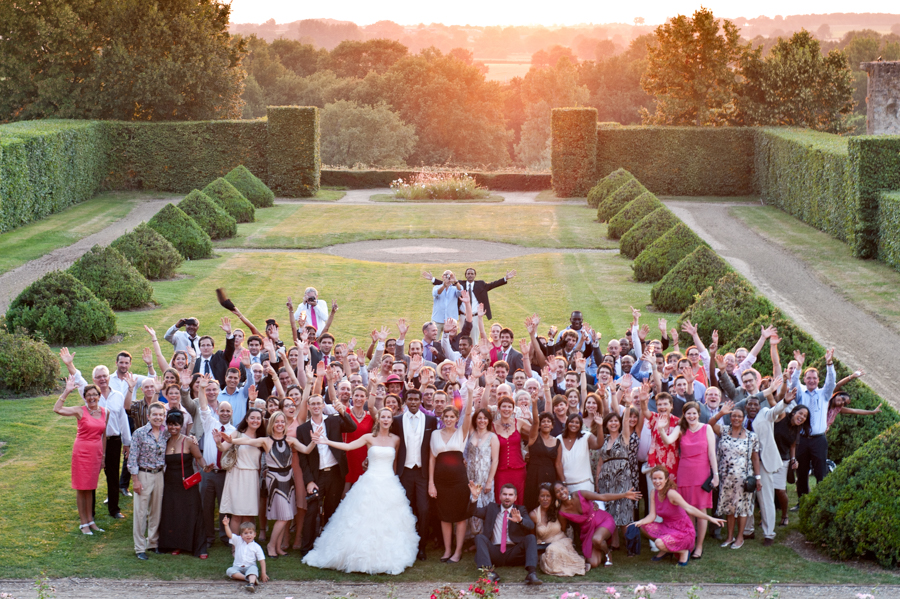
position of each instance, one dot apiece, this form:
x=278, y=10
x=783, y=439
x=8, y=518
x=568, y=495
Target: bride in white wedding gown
x=373, y=529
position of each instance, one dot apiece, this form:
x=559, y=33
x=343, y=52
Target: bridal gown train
x=373, y=529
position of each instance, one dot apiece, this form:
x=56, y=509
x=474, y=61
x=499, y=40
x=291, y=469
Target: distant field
x=505, y=71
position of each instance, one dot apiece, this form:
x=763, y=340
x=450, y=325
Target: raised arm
x=248, y=324
x=851, y=377
x=830, y=375
x=62, y=410
x=774, y=340
x=361, y=442
x=724, y=410
x=334, y=309
x=467, y=417
x=300, y=447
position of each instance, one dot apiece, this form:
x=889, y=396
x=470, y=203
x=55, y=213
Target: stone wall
x=883, y=97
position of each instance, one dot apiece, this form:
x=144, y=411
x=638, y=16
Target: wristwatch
x=758, y=477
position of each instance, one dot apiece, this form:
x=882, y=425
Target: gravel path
x=12, y=283
x=860, y=340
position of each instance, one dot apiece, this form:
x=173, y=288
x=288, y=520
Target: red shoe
x=176, y=552
x=204, y=556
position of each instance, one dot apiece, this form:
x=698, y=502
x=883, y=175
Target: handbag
x=749, y=480
x=707, y=484
x=791, y=475
x=192, y=479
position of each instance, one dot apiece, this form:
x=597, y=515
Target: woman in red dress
x=364, y=422
x=87, y=452
x=660, y=421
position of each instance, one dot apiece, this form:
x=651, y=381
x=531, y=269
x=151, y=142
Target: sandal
x=94, y=526
x=608, y=559
x=784, y=521
x=85, y=529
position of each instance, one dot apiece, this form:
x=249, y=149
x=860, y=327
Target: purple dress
x=590, y=519
x=676, y=529
x=693, y=468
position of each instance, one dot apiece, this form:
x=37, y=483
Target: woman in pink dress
x=87, y=452
x=675, y=534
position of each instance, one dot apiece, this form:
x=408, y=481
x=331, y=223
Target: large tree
x=355, y=134
x=691, y=70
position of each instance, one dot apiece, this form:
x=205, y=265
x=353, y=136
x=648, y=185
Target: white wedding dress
x=373, y=529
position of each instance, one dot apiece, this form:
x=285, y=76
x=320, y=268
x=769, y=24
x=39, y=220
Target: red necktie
x=312, y=314
x=503, y=532
x=219, y=454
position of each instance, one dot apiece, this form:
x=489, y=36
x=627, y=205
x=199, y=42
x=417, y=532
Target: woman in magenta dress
x=597, y=526
x=511, y=464
x=87, y=452
x=364, y=422
x=675, y=534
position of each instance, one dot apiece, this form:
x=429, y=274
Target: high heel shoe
x=86, y=529
x=94, y=526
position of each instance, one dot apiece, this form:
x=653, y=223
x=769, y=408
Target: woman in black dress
x=542, y=450
x=181, y=520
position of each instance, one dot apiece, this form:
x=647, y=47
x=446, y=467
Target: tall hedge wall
x=686, y=161
x=874, y=168
x=47, y=166
x=573, y=159
x=889, y=228
x=294, y=162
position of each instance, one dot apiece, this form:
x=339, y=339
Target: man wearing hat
x=182, y=340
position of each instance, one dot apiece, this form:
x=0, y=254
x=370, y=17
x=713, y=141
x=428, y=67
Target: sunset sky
x=529, y=12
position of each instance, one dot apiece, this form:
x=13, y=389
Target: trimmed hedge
x=889, y=229
x=729, y=306
x=294, y=161
x=792, y=337
x=149, y=252
x=110, y=276
x=855, y=510
x=618, y=199
x=696, y=271
x=573, y=160
x=681, y=161
x=607, y=185
x=646, y=231
x=251, y=187
x=182, y=231
x=63, y=311
x=230, y=199
x=26, y=366
x=874, y=168
x=665, y=253
x=211, y=217
x=496, y=181
x=47, y=166
x=628, y=216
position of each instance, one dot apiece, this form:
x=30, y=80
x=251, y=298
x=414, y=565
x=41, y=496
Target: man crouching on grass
x=247, y=553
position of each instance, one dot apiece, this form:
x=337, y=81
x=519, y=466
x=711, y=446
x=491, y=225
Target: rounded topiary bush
x=696, y=271
x=182, y=231
x=149, y=252
x=646, y=231
x=792, y=337
x=211, y=217
x=607, y=185
x=110, y=276
x=662, y=255
x=618, y=199
x=628, y=216
x=729, y=306
x=26, y=366
x=231, y=200
x=62, y=310
x=855, y=511
x=251, y=187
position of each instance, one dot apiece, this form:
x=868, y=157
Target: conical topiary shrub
x=251, y=187
x=183, y=232
x=646, y=231
x=665, y=253
x=149, y=252
x=211, y=217
x=63, y=311
x=618, y=199
x=634, y=211
x=110, y=276
x=26, y=365
x=690, y=277
x=231, y=200
x=607, y=185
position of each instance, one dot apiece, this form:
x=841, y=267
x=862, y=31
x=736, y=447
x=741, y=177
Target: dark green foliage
x=294, y=161
x=47, y=166
x=646, y=231
x=574, y=153
x=61, y=310
x=607, y=185
x=792, y=338
x=495, y=181
x=855, y=510
x=663, y=254
x=149, y=252
x=182, y=231
x=251, y=187
x=26, y=366
x=618, y=199
x=211, y=217
x=634, y=211
x=681, y=161
x=874, y=167
x=889, y=229
x=690, y=277
x=230, y=199
x=728, y=306
x=110, y=276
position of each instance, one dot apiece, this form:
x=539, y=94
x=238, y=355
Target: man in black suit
x=216, y=364
x=477, y=290
x=414, y=428
x=324, y=468
x=509, y=355
x=507, y=537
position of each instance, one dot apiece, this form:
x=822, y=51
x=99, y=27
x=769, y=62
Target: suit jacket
x=515, y=362
x=334, y=426
x=480, y=288
x=516, y=531
x=218, y=362
x=400, y=355
x=397, y=429
x=764, y=427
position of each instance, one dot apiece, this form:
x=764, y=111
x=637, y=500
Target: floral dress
x=735, y=463
x=478, y=469
x=634, y=443
x=660, y=453
x=615, y=477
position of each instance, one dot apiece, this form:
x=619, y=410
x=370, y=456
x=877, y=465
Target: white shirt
x=321, y=310
x=182, y=340
x=114, y=403
x=326, y=458
x=203, y=365
x=498, y=526
x=413, y=435
x=208, y=421
x=121, y=385
x=246, y=554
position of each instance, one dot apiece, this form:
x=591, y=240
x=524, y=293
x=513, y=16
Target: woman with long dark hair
x=573, y=462
x=482, y=453
x=240, y=497
x=560, y=557
x=788, y=429
x=181, y=517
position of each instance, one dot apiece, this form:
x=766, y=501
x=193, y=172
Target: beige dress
x=560, y=558
x=241, y=494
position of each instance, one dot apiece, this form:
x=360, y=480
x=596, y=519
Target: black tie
x=205, y=366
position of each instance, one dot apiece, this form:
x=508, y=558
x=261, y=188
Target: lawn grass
x=391, y=198
x=871, y=285
x=65, y=228
x=548, y=195
x=713, y=199
x=305, y=227
x=328, y=194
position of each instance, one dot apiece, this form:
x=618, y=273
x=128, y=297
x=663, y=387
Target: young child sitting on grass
x=246, y=553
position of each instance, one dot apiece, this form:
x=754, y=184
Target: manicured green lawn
x=305, y=226
x=391, y=198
